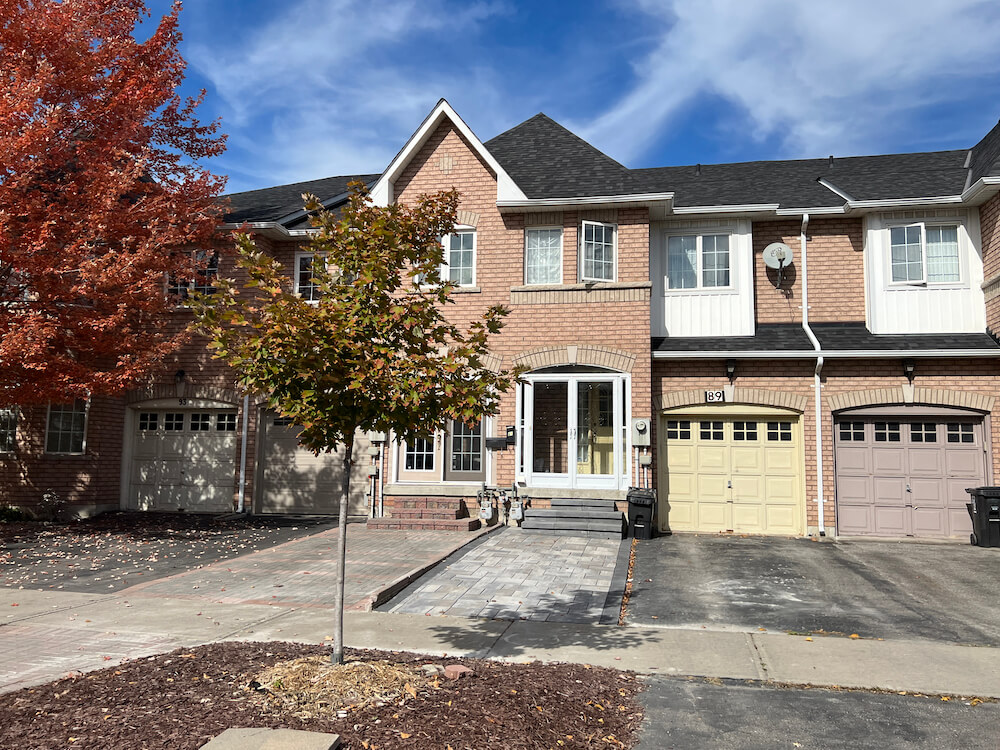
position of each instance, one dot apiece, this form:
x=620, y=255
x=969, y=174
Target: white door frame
x=570, y=479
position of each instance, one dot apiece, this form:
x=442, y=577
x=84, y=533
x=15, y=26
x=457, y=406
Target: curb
x=386, y=593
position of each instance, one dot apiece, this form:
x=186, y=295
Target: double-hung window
x=924, y=254
x=66, y=430
x=460, y=258
x=305, y=284
x=698, y=261
x=598, y=249
x=203, y=282
x=543, y=256
x=8, y=430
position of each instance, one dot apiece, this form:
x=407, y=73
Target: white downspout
x=817, y=373
x=243, y=454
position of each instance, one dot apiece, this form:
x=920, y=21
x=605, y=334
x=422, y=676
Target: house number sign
x=715, y=397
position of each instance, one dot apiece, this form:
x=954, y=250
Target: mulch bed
x=183, y=699
x=116, y=550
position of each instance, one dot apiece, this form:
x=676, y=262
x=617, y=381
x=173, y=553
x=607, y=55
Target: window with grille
x=780, y=431
x=466, y=447
x=925, y=254
x=698, y=261
x=67, y=428
x=598, y=251
x=8, y=430
x=282, y=422
x=923, y=432
x=226, y=422
x=305, y=284
x=203, y=280
x=959, y=432
x=420, y=454
x=173, y=422
x=678, y=430
x=887, y=432
x=710, y=431
x=744, y=431
x=148, y=421
x=852, y=431
x=200, y=422
x=460, y=258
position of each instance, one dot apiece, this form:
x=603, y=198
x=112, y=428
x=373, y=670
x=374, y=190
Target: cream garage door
x=732, y=472
x=183, y=460
x=294, y=480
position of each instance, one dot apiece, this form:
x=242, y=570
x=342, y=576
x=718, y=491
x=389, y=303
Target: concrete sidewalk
x=49, y=634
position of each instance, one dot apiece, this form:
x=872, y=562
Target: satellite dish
x=777, y=255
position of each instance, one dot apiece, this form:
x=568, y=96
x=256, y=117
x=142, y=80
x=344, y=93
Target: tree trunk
x=337, y=655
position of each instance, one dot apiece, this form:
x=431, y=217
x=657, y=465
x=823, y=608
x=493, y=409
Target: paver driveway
x=512, y=575
x=909, y=590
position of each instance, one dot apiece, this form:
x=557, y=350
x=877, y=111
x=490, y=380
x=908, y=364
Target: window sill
x=467, y=290
x=582, y=286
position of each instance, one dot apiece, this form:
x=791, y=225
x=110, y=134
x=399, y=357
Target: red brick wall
x=989, y=220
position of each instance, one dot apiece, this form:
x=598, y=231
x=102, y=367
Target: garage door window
x=887, y=432
x=744, y=430
x=173, y=422
x=923, y=432
x=779, y=431
x=852, y=431
x=678, y=430
x=200, y=422
x=226, y=422
x=148, y=421
x=961, y=433
x=711, y=431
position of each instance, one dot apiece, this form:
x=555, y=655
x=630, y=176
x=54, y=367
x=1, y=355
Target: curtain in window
x=942, y=254
x=543, y=256
x=682, y=262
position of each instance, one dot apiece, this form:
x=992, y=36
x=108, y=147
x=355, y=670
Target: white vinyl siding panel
x=924, y=274
x=702, y=276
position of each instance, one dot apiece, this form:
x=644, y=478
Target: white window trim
x=295, y=271
x=963, y=253
x=732, y=288
x=189, y=285
x=86, y=424
x=17, y=419
x=460, y=229
x=562, y=256
x=405, y=448
x=580, y=258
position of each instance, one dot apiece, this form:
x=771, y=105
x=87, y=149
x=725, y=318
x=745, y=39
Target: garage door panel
x=681, y=515
x=930, y=522
x=963, y=463
x=682, y=457
x=748, y=518
x=888, y=461
x=712, y=458
x=853, y=490
x=712, y=488
x=748, y=489
x=925, y=462
x=927, y=492
x=890, y=521
x=712, y=516
x=959, y=522
x=889, y=490
x=781, y=519
x=780, y=460
x=781, y=490
x=747, y=460
x=851, y=460
x=680, y=485
x=855, y=519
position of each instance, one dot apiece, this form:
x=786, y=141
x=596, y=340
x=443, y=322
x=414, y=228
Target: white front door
x=573, y=431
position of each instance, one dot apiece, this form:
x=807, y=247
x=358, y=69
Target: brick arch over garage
x=748, y=396
x=195, y=392
x=595, y=356
x=928, y=396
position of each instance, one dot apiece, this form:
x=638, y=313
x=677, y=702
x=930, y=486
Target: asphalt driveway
x=899, y=590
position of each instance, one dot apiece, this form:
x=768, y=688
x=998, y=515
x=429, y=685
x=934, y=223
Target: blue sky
x=313, y=88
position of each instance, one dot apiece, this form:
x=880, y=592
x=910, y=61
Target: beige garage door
x=724, y=471
x=293, y=480
x=183, y=460
x=906, y=476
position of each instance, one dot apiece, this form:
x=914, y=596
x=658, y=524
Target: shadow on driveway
x=902, y=590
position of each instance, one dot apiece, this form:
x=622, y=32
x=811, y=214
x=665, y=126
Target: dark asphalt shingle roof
x=985, y=158
x=856, y=336
x=768, y=338
x=271, y=204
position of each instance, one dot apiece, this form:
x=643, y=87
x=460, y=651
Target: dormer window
x=924, y=254
x=598, y=251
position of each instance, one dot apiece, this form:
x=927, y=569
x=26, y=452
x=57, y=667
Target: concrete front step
x=580, y=524
x=582, y=503
x=575, y=532
x=425, y=524
x=589, y=513
x=442, y=513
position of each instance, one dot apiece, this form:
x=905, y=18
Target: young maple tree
x=102, y=195
x=376, y=350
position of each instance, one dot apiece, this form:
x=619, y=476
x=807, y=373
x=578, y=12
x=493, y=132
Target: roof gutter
x=817, y=378
x=829, y=354
x=271, y=229
x=981, y=190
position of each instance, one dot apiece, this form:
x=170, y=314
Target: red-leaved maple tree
x=103, y=194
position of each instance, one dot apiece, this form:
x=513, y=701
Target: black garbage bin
x=985, y=512
x=640, y=512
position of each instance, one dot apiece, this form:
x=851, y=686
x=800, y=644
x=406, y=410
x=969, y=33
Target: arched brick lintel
x=897, y=395
x=194, y=392
x=595, y=356
x=748, y=396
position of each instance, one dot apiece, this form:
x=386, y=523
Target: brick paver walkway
x=513, y=575
x=302, y=573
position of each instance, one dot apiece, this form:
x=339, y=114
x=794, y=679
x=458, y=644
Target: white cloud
x=820, y=77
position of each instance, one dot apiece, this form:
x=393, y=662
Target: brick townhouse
x=784, y=347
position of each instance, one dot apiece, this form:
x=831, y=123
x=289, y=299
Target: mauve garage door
x=907, y=477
